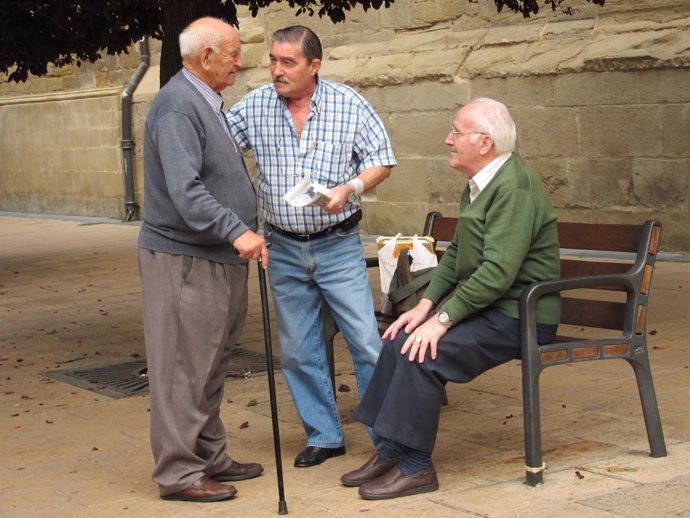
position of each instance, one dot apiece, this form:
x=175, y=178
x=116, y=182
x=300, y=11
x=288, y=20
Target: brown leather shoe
x=238, y=471
x=373, y=468
x=394, y=484
x=203, y=490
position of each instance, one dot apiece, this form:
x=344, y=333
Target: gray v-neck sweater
x=198, y=197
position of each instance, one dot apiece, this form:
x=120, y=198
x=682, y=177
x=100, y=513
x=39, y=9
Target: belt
x=344, y=226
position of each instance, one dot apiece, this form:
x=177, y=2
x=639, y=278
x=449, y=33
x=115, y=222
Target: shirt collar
x=211, y=96
x=486, y=174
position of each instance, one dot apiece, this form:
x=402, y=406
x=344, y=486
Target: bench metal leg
x=650, y=409
x=534, y=465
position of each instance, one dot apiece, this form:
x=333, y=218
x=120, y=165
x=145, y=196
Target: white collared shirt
x=480, y=180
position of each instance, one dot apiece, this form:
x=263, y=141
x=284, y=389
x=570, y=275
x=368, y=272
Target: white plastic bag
x=388, y=261
x=421, y=256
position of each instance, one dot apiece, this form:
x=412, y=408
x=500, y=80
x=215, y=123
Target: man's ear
x=205, y=57
x=487, y=144
x=315, y=66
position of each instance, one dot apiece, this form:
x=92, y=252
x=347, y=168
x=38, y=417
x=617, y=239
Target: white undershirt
x=480, y=180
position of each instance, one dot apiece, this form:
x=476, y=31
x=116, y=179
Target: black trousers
x=403, y=400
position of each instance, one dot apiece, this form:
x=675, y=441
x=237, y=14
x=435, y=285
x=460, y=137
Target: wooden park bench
x=606, y=297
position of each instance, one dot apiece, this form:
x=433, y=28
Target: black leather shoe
x=313, y=456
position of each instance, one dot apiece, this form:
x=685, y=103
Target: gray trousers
x=194, y=311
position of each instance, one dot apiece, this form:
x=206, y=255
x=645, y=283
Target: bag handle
x=404, y=291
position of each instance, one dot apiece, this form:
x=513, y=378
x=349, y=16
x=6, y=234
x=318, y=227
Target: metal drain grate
x=125, y=379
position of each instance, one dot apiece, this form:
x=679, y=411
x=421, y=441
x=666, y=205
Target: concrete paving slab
x=69, y=297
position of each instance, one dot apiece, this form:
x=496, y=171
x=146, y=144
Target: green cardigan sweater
x=505, y=240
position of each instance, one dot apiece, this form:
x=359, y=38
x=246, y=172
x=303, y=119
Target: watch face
x=443, y=318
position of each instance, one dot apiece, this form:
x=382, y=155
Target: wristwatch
x=444, y=319
x=351, y=192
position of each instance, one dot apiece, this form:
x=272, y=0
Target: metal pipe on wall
x=127, y=143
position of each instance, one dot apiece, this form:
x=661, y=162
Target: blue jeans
x=303, y=276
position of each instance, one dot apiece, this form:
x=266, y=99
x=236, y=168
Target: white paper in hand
x=306, y=193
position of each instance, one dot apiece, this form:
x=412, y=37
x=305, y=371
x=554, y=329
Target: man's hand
x=424, y=338
x=252, y=246
x=338, y=196
x=410, y=319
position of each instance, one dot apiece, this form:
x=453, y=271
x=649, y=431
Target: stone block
x=426, y=12
x=408, y=68
x=418, y=134
x=620, y=131
x=675, y=126
x=342, y=70
x=252, y=30
x=637, y=50
x=254, y=54
x=547, y=132
x=445, y=183
x=544, y=58
x=665, y=86
x=566, y=28
x=437, y=39
x=425, y=96
x=519, y=33
x=597, y=88
x=660, y=184
x=515, y=91
x=353, y=51
x=494, y=61
x=408, y=182
x=397, y=16
x=597, y=184
x=460, y=34
x=554, y=175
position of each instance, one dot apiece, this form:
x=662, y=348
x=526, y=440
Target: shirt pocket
x=330, y=161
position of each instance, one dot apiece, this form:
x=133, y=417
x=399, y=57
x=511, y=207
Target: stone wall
x=601, y=100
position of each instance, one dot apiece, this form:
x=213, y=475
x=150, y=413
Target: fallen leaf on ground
x=252, y=402
x=244, y=425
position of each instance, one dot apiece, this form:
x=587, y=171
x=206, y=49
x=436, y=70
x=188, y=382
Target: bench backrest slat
x=592, y=313
x=590, y=236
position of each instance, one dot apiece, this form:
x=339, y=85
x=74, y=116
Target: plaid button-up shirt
x=342, y=137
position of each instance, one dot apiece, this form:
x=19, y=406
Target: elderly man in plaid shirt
x=298, y=125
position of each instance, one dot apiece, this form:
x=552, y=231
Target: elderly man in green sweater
x=467, y=322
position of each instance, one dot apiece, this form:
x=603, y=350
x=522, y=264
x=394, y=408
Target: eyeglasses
x=456, y=132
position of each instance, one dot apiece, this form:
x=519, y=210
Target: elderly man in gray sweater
x=198, y=232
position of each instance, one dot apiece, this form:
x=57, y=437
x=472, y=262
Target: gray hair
x=311, y=45
x=494, y=119
x=196, y=36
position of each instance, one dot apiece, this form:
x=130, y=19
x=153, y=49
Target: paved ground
x=69, y=297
